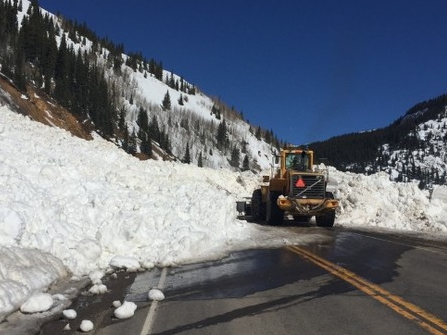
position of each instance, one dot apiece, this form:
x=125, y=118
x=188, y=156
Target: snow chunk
x=69, y=314
x=125, y=262
x=126, y=310
x=86, y=326
x=98, y=289
x=96, y=276
x=156, y=294
x=39, y=302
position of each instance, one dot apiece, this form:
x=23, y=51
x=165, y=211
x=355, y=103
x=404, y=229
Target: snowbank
x=67, y=204
x=73, y=206
x=375, y=201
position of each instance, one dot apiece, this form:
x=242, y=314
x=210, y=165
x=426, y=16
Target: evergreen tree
x=132, y=144
x=235, y=157
x=62, y=88
x=200, y=161
x=221, y=135
x=155, y=130
x=100, y=106
x=165, y=143
x=143, y=120
x=166, y=104
x=187, y=158
x=245, y=164
x=49, y=62
x=19, y=71
x=258, y=133
x=122, y=119
x=146, y=144
x=171, y=81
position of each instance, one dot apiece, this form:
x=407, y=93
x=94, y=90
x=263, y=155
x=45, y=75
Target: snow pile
x=86, y=206
x=24, y=272
x=375, y=201
x=87, y=202
x=69, y=205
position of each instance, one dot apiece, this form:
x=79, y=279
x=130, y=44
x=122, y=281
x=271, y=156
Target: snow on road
x=69, y=206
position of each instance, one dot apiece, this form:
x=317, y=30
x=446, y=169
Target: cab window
x=297, y=161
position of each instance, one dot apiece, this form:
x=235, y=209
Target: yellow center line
x=396, y=303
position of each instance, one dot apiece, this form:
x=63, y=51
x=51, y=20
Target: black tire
x=326, y=220
x=274, y=214
x=257, y=206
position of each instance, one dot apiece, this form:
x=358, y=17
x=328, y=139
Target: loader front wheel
x=274, y=214
x=326, y=220
x=257, y=206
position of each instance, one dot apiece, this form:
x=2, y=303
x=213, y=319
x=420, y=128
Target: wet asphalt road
x=350, y=284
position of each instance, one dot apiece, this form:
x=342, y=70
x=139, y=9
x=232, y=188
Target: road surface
x=355, y=282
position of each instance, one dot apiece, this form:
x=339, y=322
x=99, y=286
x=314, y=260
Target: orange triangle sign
x=300, y=183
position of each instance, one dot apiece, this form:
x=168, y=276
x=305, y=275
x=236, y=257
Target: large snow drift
x=73, y=206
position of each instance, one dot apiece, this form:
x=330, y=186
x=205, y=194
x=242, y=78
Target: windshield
x=297, y=161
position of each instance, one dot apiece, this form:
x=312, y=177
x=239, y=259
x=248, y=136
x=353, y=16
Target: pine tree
x=155, y=130
x=200, y=161
x=49, y=61
x=235, y=157
x=171, y=81
x=221, y=135
x=258, y=133
x=19, y=73
x=143, y=120
x=166, y=104
x=62, y=89
x=146, y=144
x=187, y=158
x=132, y=144
x=245, y=164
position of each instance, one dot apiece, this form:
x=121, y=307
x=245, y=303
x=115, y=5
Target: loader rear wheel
x=257, y=206
x=274, y=214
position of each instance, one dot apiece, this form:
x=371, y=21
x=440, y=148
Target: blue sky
x=308, y=70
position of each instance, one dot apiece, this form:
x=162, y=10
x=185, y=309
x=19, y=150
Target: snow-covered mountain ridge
x=410, y=149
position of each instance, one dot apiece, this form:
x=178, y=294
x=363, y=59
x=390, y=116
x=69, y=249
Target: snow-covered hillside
x=426, y=158
x=75, y=207
x=190, y=121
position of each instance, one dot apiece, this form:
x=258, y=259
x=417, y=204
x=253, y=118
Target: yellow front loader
x=295, y=189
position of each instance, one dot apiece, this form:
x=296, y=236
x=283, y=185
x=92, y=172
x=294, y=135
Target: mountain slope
x=411, y=148
x=133, y=102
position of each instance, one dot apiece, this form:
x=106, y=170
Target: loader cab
x=298, y=160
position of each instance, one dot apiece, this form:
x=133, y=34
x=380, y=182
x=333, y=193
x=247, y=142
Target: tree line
x=364, y=152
